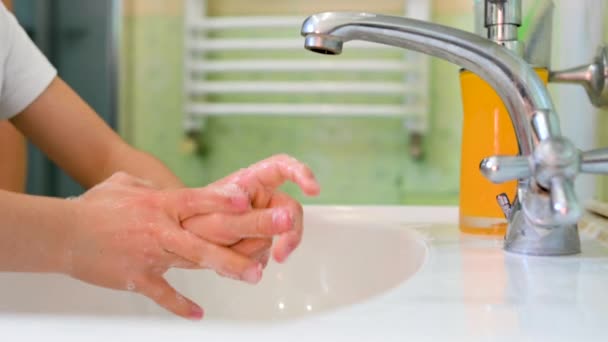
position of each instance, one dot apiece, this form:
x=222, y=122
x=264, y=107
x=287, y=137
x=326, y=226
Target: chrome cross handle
x=553, y=166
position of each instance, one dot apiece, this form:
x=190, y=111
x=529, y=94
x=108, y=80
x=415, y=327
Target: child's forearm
x=72, y=134
x=12, y=158
x=142, y=165
x=34, y=232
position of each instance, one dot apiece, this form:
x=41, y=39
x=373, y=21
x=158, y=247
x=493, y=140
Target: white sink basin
x=361, y=274
x=344, y=258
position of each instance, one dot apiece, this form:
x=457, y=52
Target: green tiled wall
x=357, y=160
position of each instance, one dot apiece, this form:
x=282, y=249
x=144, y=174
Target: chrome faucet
x=543, y=216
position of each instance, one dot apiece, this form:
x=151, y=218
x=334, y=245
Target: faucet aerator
x=326, y=45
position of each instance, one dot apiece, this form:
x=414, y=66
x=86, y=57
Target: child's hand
x=129, y=235
x=261, y=181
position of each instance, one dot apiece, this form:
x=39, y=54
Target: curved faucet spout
x=522, y=92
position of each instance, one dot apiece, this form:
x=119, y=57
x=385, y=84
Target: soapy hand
x=261, y=181
x=129, y=235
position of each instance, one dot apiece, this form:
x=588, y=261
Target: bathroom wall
x=357, y=160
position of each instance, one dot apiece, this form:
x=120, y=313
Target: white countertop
x=469, y=289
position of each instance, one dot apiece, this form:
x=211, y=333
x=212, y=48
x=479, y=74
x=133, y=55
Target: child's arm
x=61, y=124
x=12, y=158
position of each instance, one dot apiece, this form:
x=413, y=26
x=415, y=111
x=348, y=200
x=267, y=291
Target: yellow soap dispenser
x=487, y=129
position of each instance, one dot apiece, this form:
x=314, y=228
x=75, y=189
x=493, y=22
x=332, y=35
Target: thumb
x=226, y=198
x=159, y=290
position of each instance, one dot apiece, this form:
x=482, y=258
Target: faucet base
x=523, y=237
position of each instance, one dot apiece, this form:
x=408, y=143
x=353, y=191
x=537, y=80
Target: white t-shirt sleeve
x=24, y=71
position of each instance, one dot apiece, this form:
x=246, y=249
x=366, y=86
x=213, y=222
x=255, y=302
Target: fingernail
x=316, y=187
x=264, y=258
x=282, y=218
x=291, y=246
x=285, y=256
x=196, y=313
x=253, y=274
